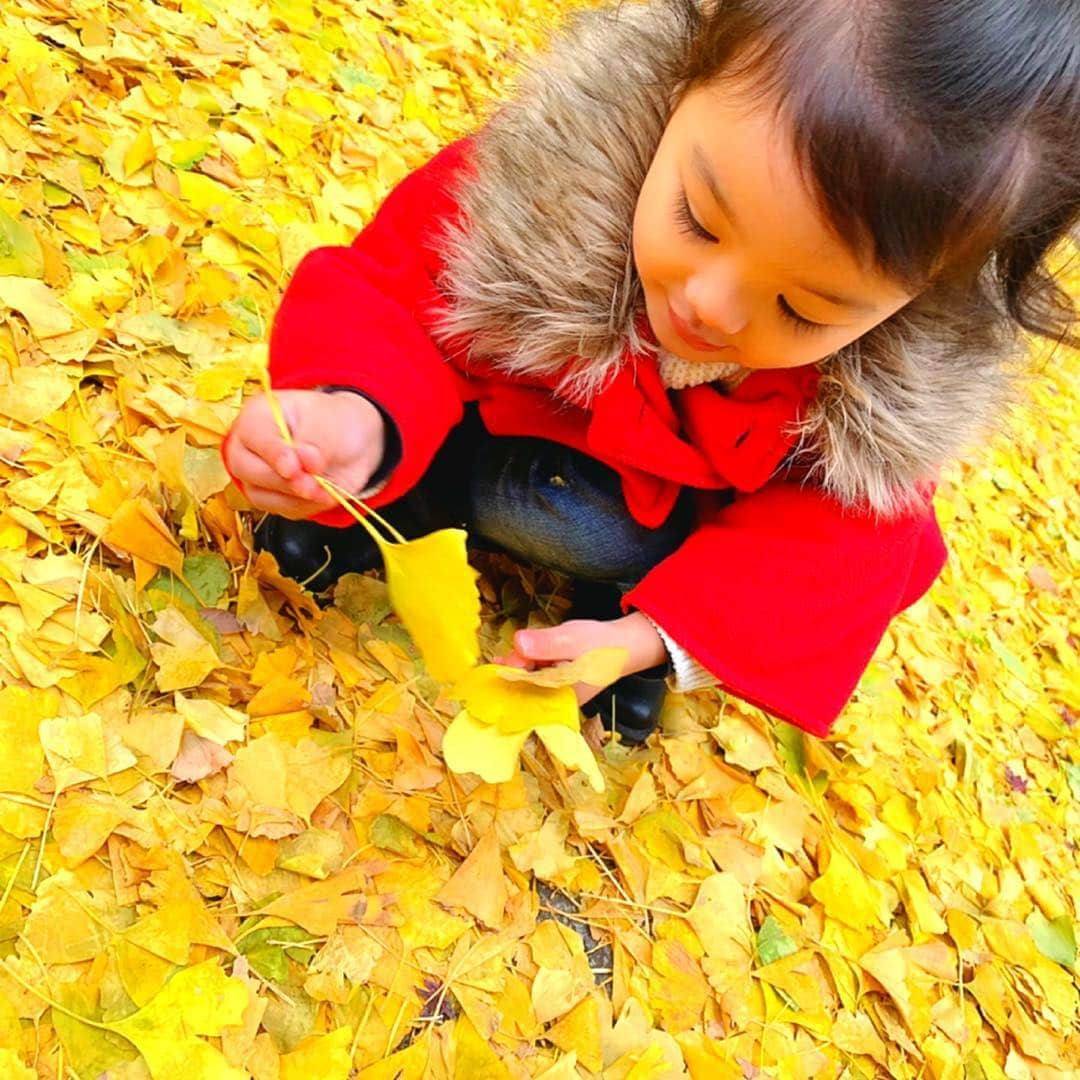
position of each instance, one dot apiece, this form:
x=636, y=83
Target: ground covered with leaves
x=229, y=846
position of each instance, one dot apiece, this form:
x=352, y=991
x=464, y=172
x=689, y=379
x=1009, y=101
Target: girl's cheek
x=653, y=237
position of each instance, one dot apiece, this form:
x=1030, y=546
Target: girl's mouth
x=690, y=338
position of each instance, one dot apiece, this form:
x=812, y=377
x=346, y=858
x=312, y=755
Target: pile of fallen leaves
x=229, y=845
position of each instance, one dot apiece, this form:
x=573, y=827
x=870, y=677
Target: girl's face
x=736, y=261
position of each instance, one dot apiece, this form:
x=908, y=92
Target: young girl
x=695, y=318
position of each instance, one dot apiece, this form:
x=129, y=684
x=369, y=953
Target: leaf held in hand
x=433, y=591
x=573, y=751
x=597, y=667
x=503, y=705
x=470, y=746
x=514, y=705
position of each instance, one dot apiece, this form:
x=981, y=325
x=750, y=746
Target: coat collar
x=700, y=436
x=540, y=278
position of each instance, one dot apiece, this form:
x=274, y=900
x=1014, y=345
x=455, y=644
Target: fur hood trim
x=540, y=276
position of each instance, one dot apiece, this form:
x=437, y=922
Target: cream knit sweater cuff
x=688, y=673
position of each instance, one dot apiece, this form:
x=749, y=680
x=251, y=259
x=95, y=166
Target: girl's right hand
x=338, y=435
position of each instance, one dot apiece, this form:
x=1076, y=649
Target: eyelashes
x=798, y=323
x=687, y=222
x=690, y=225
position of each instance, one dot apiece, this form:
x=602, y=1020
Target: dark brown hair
x=941, y=137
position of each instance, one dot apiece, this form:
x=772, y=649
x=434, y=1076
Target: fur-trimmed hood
x=540, y=276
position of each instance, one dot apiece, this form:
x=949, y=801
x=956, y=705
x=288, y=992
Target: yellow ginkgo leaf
x=12, y=1067
x=503, y=705
x=81, y=748
x=597, y=667
x=138, y=529
x=431, y=585
x=573, y=751
x=514, y=705
x=200, y=1000
x=470, y=746
x=38, y=304
x=319, y=1057
x=433, y=591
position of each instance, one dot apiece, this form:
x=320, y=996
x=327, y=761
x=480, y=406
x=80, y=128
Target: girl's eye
x=687, y=222
x=798, y=322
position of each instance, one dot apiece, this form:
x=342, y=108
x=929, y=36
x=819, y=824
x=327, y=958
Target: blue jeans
x=536, y=500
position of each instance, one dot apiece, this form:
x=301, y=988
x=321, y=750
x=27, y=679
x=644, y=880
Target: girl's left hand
x=568, y=641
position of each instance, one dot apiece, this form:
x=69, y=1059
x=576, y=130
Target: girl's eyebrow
x=842, y=301
x=704, y=171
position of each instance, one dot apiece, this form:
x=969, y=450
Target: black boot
x=316, y=555
x=630, y=705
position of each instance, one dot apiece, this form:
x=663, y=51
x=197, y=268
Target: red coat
x=783, y=594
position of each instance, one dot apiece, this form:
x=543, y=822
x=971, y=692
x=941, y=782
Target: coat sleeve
x=355, y=317
x=784, y=595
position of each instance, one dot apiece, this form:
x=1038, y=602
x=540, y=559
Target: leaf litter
x=229, y=843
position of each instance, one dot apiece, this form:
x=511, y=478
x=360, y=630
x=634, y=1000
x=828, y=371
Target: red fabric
x=783, y=595
x=804, y=595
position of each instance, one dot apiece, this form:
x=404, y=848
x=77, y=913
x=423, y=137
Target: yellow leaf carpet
x=229, y=845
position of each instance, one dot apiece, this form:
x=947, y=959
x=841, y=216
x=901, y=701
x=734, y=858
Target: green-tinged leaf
x=1055, y=938
x=269, y=950
x=209, y=576
x=392, y=834
x=199, y=1000
x=791, y=746
x=20, y=252
x=772, y=943
x=362, y=599
x=1072, y=775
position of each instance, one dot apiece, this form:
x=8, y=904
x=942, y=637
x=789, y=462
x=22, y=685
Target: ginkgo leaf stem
x=338, y=491
x=362, y=1025
x=41, y=849
x=14, y=874
x=391, y=1042
x=358, y=517
x=343, y=498
x=24, y=800
x=319, y=569
x=80, y=595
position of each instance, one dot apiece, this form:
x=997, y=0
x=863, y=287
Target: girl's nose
x=715, y=301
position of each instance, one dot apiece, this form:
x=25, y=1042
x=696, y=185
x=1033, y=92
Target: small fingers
x=513, y=659
x=562, y=642
x=258, y=433
x=283, y=504
x=312, y=458
x=253, y=471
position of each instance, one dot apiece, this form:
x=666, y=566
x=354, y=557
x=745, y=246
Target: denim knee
x=556, y=507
